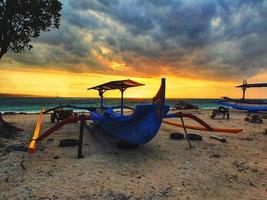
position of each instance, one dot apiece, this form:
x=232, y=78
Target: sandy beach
x=161, y=169
x=108, y=59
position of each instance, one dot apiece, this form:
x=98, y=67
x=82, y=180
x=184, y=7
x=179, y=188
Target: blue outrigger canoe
x=246, y=104
x=139, y=127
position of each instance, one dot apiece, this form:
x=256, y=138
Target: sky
x=203, y=47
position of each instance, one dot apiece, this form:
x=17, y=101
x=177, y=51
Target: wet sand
x=161, y=169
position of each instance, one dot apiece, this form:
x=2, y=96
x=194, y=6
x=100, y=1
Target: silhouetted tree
x=22, y=20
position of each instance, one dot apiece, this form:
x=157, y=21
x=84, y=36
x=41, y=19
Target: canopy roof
x=252, y=85
x=113, y=85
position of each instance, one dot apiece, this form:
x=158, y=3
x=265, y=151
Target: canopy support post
x=101, y=102
x=122, y=102
x=244, y=87
x=185, y=131
x=244, y=92
x=101, y=94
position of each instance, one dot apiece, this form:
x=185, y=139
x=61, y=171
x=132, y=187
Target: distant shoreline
x=10, y=95
x=80, y=111
x=30, y=104
x=21, y=95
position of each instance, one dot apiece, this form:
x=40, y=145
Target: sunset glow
x=203, y=48
x=58, y=83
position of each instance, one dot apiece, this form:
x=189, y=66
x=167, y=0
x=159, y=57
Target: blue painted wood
x=245, y=106
x=138, y=128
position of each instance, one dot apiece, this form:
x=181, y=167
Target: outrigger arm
x=36, y=137
x=82, y=118
x=204, y=126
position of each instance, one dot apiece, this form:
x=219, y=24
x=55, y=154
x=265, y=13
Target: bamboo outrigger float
x=138, y=128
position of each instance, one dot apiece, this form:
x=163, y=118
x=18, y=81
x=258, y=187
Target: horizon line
x=6, y=95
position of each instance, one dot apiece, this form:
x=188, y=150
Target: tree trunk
x=5, y=26
x=2, y=52
x=4, y=40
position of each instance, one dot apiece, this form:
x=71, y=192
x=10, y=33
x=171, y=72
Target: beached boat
x=139, y=127
x=135, y=129
x=246, y=104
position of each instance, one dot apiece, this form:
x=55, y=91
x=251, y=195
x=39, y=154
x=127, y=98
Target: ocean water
x=33, y=104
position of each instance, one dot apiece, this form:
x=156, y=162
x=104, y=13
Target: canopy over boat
x=245, y=85
x=121, y=85
x=251, y=85
x=113, y=85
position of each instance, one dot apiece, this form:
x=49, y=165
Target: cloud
x=221, y=38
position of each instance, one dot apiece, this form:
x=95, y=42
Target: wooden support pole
x=244, y=93
x=101, y=92
x=81, y=138
x=122, y=103
x=185, y=131
x=101, y=103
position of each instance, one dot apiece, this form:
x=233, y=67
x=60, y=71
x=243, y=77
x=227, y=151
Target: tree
x=22, y=20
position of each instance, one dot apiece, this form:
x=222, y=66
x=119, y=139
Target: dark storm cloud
x=222, y=36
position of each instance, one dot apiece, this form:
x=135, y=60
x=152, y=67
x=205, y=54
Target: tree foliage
x=22, y=20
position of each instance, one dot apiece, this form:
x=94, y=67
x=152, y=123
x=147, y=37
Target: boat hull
x=245, y=101
x=245, y=106
x=138, y=128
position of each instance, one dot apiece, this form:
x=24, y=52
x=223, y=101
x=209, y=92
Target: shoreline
x=172, y=109
x=33, y=105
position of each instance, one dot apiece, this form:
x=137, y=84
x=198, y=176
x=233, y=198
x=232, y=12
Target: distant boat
x=181, y=105
x=245, y=104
